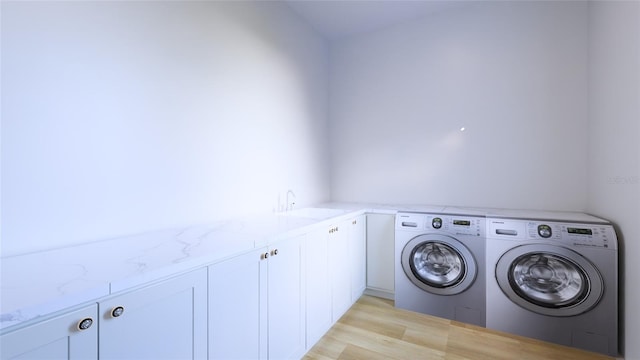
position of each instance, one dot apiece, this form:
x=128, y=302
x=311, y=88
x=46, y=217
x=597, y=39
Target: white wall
x=614, y=149
x=514, y=74
x=124, y=117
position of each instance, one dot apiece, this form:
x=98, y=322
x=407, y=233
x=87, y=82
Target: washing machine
x=554, y=280
x=440, y=265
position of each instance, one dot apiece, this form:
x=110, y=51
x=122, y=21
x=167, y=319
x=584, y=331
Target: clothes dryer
x=440, y=265
x=554, y=280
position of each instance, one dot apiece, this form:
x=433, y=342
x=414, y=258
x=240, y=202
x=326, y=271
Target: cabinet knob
x=84, y=324
x=117, y=311
x=264, y=256
x=274, y=252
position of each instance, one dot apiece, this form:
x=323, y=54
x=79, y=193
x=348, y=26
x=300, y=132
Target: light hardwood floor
x=373, y=329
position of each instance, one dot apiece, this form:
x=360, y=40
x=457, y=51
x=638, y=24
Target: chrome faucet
x=290, y=203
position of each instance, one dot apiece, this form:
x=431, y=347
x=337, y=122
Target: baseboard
x=380, y=293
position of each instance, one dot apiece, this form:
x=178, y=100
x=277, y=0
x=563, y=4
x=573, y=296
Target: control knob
x=436, y=223
x=544, y=231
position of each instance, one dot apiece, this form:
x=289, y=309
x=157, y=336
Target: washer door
x=549, y=280
x=438, y=264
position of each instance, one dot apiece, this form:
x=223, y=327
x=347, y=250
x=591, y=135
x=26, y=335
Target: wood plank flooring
x=373, y=329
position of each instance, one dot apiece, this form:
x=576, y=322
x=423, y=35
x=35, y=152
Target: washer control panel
x=592, y=235
x=441, y=223
x=570, y=234
x=545, y=231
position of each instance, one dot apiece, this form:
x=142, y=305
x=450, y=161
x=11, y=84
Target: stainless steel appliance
x=554, y=280
x=440, y=265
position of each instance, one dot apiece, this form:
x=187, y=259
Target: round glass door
x=438, y=264
x=549, y=280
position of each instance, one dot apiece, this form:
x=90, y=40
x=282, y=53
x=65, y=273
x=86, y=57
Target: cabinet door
x=340, y=269
x=318, y=286
x=55, y=338
x=167, y=320
x=286, y=301
x=380, y=254
x=357, y=257
x=238, y=307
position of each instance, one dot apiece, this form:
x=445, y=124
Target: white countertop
x=41, y=283
x=38, y=284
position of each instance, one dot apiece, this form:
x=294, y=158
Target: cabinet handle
x=117, y=311
x=84, y=324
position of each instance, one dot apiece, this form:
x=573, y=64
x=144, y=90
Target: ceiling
x=340, y=18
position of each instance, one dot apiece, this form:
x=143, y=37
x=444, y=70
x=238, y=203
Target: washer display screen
x=579, y=231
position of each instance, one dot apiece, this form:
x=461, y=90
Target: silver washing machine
x=440, y=265
x=555, y=281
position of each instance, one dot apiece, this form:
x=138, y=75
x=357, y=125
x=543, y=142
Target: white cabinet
x=336, y=274
x=56, y=338
x=257, y=306
x=166, y=320
x=357, y=256
x=160, y=321
x=238, y=307
x=380, y=255
x=318, y=286
x=347, y=263
x=271, y=303
x=286, y=301
x=340, y=269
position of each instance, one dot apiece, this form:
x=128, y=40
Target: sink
x=314, y=213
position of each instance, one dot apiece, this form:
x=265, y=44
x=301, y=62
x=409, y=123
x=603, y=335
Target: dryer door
x=549, y=280
x=439, y=264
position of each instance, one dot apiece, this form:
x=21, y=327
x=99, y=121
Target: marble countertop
x=41, y=283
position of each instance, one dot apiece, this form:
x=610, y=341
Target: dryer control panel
x=441, y=223
x=592, y=235
x=569, y=234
